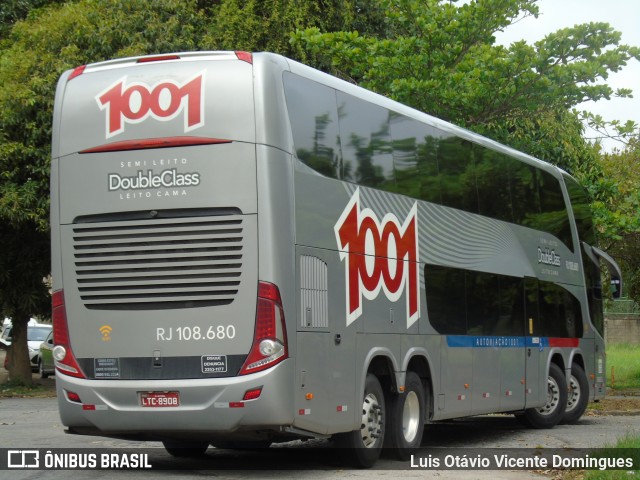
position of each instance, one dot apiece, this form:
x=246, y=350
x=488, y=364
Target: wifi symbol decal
x=106, y=330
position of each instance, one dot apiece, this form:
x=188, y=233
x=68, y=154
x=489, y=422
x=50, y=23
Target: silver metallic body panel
x=289, y=220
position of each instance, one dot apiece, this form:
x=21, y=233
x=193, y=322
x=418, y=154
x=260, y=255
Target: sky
x=622, y=15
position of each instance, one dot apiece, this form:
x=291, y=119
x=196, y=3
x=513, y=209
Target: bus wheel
x=185, y=449
x=405, y=421
x=552, y=411
x=578, y=395
x=362, y=447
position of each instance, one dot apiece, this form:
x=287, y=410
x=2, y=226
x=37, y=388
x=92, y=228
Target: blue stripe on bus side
x=487, y=341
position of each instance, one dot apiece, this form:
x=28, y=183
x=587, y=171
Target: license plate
x=160, y=399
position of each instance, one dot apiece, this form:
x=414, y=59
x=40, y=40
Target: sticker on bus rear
x=130, y=103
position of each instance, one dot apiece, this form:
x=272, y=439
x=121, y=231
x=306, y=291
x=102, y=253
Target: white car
x=36, y=334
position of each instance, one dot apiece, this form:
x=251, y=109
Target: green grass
x=19, y=389
x=623, y=366
x=627, y=447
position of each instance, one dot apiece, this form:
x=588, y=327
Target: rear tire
x=405, y=419
x=361, y=448
x=43, y=374
x=552, y=412
x=577, y=396
x=185, y=449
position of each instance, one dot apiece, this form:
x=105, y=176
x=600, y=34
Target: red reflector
x=76, y=72
x=245, y=57
x=88, y=407
x=236, y=404
x=166, y=142
x=73, y=396
x=564, y=342
x=252, y=394
x=159, y=58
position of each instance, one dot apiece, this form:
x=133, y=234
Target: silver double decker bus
x=247, y=250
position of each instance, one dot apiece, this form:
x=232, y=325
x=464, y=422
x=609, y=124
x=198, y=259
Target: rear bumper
x=207, y=406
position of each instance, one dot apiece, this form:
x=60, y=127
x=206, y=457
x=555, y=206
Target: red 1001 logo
x=135, y=102
x=379, y=255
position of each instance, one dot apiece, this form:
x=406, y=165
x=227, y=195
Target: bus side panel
x=326, y=362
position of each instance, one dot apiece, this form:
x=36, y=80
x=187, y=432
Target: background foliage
x=437, y=56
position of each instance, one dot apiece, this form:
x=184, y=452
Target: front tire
x=361, y=448
x=577, y=396
x=552, y=412
x=405, y=421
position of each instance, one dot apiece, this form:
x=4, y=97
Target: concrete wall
x=622, y=329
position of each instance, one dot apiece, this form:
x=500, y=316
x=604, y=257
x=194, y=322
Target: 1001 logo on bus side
x=379, y=255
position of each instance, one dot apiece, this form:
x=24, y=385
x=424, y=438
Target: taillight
x=62, y=353
x=76, y=72
x=270, y=336
x=245, y=56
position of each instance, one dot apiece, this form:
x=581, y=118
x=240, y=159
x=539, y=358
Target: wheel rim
x=553, y=397
x=410, y=417
x=573, y=398
x=371, y=428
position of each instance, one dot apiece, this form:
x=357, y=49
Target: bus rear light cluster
x=63, y=356
x=270, y=336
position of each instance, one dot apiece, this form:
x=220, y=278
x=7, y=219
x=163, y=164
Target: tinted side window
x=366, y=143
x=560, y=312
x=492, y=180
x=524, y=192
x=581, y=206
x=512, y=311
x=483, y=300
x=314, y=122
x=414, y=157
x=446, y=302
x=463, y=302
x=553, y=218
x=456, y=168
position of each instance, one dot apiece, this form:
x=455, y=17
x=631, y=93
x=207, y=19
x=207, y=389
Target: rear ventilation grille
x=158, y=264
x=314, y=292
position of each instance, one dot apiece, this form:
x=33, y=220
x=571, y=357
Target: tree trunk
x=19, y=362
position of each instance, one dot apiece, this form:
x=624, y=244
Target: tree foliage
x=620, y=233
x=267, y=25
x=49, y=41
x=443, y=60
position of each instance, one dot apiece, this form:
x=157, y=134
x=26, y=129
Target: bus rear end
x=163, y=328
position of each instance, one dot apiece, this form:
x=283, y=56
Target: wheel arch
x=381, y=363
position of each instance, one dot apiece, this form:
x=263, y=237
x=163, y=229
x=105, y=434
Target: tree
x=267, y=25
x=620, y=225
x=442, y=60
x=50, y=41
x=12, y=11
